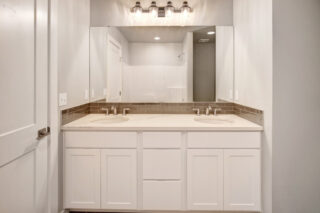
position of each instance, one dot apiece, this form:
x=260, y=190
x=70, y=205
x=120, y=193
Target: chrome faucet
x=106, y=110
x=208, y=110
x=124, y=111
x=114, y=109
x=216, y=110
x=197, y=110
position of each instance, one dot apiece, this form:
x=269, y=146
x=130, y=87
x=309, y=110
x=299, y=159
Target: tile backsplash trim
x=248, y=113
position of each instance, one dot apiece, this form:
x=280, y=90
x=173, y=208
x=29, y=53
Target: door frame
x=111, y=39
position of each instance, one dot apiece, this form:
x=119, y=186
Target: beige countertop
x=161, y=122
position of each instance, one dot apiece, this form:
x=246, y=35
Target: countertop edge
x=213, y=129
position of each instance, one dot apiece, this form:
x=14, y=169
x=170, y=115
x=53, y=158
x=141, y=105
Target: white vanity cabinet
x=118, y=179
x=205, y=179
x=162, y=170
x=242, y=180
x=82, y=178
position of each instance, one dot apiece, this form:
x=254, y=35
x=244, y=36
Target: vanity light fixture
x=211, y=33
x=164, y=11
x=157, y=38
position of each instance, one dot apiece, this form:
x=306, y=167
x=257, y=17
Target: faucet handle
x=208, y=110
x=106, y=110
x=217, y=110
x=125, y=110
x=197, y=110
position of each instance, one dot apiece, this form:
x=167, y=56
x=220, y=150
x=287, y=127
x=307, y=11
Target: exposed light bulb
x=153, y=9
x=154, y=12
x=169, y=12
x=138, y=12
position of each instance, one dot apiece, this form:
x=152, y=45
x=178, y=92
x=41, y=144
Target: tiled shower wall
x=248, y=113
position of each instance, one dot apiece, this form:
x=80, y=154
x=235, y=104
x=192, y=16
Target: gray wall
x=296, y=123
x=204, y=69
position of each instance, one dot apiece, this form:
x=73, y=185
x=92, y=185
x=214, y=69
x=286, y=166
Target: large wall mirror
x=161, y=64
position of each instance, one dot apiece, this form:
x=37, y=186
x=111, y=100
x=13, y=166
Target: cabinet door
x=242, y=180
x=82, y=178
x=205, y=180
x=119, y=179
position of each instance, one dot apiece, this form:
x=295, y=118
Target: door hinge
x=43, y=133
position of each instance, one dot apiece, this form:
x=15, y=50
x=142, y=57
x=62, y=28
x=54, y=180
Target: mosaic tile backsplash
x=248, y=113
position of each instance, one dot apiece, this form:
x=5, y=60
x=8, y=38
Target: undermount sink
x=111, y=119
x=212, y=120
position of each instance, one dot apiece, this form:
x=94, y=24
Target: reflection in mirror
x=161, y=64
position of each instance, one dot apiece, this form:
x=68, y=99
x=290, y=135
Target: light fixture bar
x=162, y=11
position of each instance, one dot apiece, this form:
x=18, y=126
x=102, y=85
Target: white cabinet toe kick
x=162, y=171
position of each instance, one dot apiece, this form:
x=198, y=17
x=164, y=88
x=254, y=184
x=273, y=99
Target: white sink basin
x=111, y=119
x=212, y=120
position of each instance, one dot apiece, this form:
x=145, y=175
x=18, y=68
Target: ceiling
x=167, y=34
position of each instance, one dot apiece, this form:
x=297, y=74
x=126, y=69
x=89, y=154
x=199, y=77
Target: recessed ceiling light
x=157, y=38
x=210, y=32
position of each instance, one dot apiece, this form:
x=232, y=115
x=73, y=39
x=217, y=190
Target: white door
x=82, y=178
x=205, y=180
x=118, y=179
x=242, y=180
x=114, y=70
x=23, y=109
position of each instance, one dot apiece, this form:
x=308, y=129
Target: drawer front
x=162, y=195
x=161, y=139
x=162, y=164
x=227, y=140
x=100, y=139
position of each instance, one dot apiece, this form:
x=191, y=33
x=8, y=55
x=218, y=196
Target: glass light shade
x=169, y=9
x=153, y=9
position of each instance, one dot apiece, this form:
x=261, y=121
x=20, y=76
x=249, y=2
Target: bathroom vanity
x=162, y=163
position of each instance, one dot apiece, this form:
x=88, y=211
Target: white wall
x=155, y=83
x=224, y=63
x=117, y=13
x=253, y=73
x=188, y=63
x=155, y=73
x=296, y=105
x=98, y=62
x=166, y=54
x=73, y=50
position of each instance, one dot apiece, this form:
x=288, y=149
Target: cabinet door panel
x=205, y=179
x=161, y=164
x=82, y=178
x=119, y=179
x=162, y=195
x=242, y=180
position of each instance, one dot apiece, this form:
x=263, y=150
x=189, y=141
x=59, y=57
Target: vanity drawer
x=161, y=164
x=162, y=195
x=161, y=139
x=219, y=140
x=100, y=139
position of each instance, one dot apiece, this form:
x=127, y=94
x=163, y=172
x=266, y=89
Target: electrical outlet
x=104, y=91
x=230, y=94
x=92, y=93
x=236, y=95
x=86, y=94
x=63, y=99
